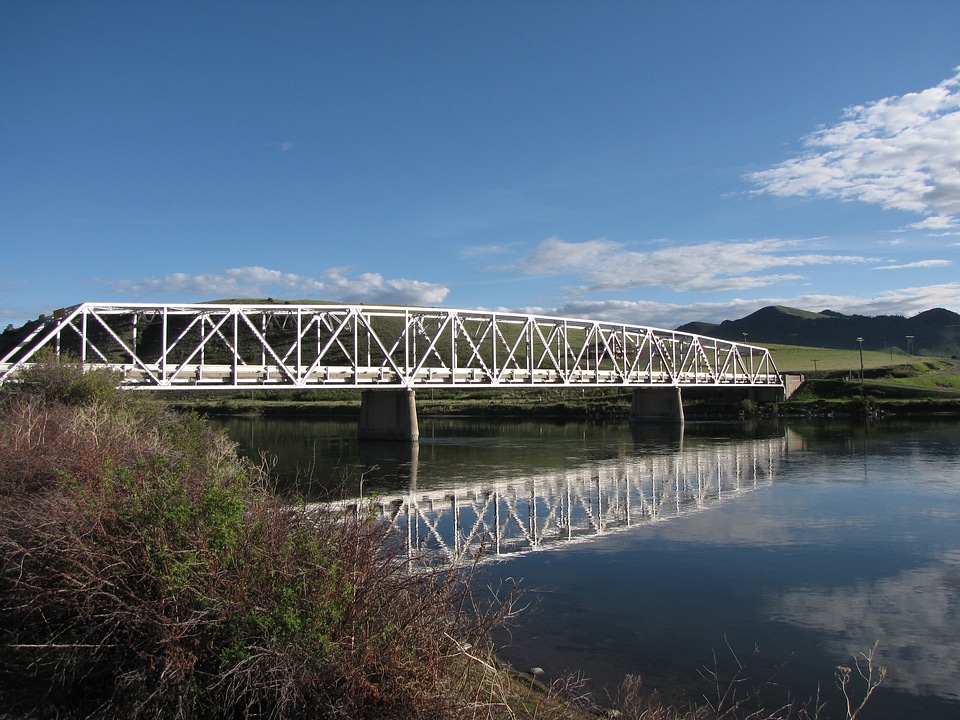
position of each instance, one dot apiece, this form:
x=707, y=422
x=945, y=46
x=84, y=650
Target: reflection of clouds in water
x=768, y=519
x=914, y=615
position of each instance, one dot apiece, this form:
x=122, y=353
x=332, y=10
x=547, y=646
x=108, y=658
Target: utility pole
x=860, y=342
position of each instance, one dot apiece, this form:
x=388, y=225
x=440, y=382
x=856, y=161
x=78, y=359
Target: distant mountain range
x=932, y=332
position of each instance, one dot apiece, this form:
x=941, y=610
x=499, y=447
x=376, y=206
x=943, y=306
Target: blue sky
x=647, y=162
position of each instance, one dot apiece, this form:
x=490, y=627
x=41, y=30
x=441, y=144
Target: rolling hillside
x=933, y=332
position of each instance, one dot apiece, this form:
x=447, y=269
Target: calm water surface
x=646, y=552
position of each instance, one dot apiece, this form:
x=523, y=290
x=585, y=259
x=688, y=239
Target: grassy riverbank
x=147, y=572
x=891, y=383
x=886, y=382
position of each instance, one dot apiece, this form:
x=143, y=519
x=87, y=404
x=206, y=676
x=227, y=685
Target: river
x=654, y=551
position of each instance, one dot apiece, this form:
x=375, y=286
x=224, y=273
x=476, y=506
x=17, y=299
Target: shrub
x=65, y=380
x=861, y=405
x=146, y=573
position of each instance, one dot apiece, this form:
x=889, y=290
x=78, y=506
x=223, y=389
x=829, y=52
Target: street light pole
x=860, y=342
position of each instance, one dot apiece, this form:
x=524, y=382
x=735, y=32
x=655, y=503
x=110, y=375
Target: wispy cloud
x=918, y=264
x=255, y=281
x=714, y=266
x=937, y=222
x=903, y=301
x=899, y=152
x=485, y=250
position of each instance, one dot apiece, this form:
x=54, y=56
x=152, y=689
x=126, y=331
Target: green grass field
x=931, y=374
x=796, y=359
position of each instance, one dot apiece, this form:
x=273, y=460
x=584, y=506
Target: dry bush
x=735, y=696
x=147, y=573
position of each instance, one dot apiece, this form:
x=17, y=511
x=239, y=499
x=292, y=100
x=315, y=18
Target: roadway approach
x=388, y=352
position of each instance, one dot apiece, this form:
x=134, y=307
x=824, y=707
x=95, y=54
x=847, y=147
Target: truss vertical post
x=163, y=343
x=354, y=313
x=454, y=331
x=593, y=353
x=133, y=338
x=530, y=351
x=236, y=345
x=493, y=344
x=83, y=338
x=406, y=350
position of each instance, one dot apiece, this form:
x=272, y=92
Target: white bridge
x=310, y=346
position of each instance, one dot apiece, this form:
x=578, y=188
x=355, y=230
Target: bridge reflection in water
x=540, y=511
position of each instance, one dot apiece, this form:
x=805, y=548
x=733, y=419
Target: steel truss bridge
x=247, y=346
x=452, y=524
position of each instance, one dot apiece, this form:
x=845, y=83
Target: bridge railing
x=234, y=346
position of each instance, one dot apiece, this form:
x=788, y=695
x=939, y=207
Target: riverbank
x=819, y=398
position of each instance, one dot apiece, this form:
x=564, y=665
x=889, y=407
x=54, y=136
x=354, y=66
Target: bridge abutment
x=388, y=415
x=656, y=405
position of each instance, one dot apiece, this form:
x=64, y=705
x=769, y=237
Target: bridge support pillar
x=388, y=415
x=656, y=405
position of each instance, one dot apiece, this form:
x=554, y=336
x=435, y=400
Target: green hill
x=932, y=332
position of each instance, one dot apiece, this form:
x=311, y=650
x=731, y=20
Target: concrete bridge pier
x=388, y=415
x=656, y=405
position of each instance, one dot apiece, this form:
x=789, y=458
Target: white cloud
x=918, y=264
x=255, y=281
x=903, y=301
x=900, y=152
x=935, y=222
x=707, y=267
x=374, y=288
